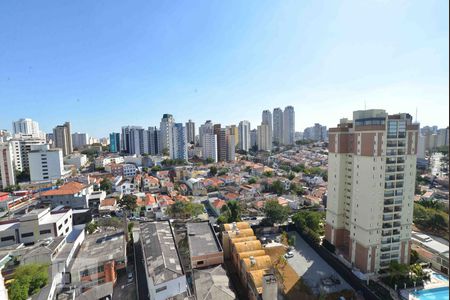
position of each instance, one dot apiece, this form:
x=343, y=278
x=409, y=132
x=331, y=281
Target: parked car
x=130, y=277
x=289, y=255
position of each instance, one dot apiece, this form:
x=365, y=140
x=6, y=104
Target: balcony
x=385, y=249
x=396, y=224
x=388, y=218
x=388, y=210
x=390, y=169
x=401, y=144
x=390, y=161
x=389, y=177
x=400, y=160
x=399, y=184
x=389, y=185
x=391, y=144
x=389, y=194
x=398, y=209
x=397, y=217
x=400, y=168
x=388, y=202
x=387, y=225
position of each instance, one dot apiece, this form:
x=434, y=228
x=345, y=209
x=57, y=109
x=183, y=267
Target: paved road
x=312, y=268
x=140, y=278
x=123, y=289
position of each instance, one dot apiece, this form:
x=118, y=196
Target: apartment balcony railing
x=389, y=202
x=387, y=225
x=388, y=218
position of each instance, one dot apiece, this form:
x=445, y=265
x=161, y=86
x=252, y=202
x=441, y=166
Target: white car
x=130, y=277
x=289, y=255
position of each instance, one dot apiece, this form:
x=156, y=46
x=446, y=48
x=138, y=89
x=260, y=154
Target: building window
x=8, y=238
x=46, y=231
x=28, y=234
x=163, y=288
x=59, y=227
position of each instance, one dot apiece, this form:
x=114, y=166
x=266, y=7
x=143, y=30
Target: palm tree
x=397, y=271
x=231, y=211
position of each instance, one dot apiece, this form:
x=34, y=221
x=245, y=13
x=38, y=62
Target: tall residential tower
x=371, y=177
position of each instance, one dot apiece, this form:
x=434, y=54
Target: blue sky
x=104, y=64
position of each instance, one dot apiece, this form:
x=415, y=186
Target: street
x=141, y=276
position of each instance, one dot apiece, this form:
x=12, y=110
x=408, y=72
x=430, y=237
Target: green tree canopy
x=28, y=280
x=213, y=170
x=184, y=210
x=275, y=212
x=231, y=212
x=106, y=185
x=128, y=202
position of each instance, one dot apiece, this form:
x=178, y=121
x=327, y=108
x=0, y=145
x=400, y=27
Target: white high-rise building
x=253, y=138
x=79, y=140
x=7, y=176
x=209, y=148
x=166, y=130
x=267, y=119
x=278, y=126
x=153, y=140
x=371, y=177
x=244, y=135
x=207, y=128
x=263, y=140
x=26, y=126
x=179, y=143
x=138, y=140
x=288, y=125
x=190, y=131
x=21, y=147
x=46, y=164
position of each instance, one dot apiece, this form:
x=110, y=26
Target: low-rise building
x=100, y=257
x=77, y=159
x=431, y=251
x=164, y=273
x=212, y=283
x=73, y=194
x=36, y=225
x=204, y=247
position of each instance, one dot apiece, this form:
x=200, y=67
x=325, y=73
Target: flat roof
x=429, y=242
x=51, y=218
x=160, y=253
x=202, y=239
x=8, y=226
x=100, y=247
x=212, y=283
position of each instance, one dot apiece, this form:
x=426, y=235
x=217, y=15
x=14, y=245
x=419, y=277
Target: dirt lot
x=294, y=288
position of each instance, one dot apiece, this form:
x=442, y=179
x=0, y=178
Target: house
x=196, y=186
x=108, y=206
x=204, y=247
x=125, y=187
x=73, y=194
x=217, y=204
x=150, y=184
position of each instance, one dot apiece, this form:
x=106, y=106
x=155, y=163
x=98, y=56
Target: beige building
x=263, y=139
x=371, y=176
x=204, y=247
x=7, y=176
x=63, y=138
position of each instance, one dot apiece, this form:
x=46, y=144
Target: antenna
x=416, y=115
x=365, y=105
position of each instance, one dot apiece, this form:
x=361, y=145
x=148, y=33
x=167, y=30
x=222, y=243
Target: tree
x=291, y=240
x=184, y=210
x=231, y=211
x=128, y=202
x=165, y=152
x=414, y=257
x=308, y=221
x=28, y=280
x=268, y=174
x=397, y=271
x=277, y=187
x=252, y=180
x=276, y=213
x=91, y=227
x=222, y=172
x=248, y=169
x=209, y=160
x=156, y=168
x=299, y=168
x=114, y=222
x=213, y=170
x=11, y=188
x=291, y=176
x=106, y=185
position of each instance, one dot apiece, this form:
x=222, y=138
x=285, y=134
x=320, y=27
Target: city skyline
x=235, y=61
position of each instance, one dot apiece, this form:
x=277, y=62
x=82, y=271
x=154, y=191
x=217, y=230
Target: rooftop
x=160, y=253
x=212, y=283
x=69, y=188
x=100, y=247
x=202, y=239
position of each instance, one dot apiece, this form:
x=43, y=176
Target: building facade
x=62, y=138
x=289, y=125
x=190, y=132
x=263, y=140
x=209, y=148
x=278, y=126
x=7, y=176
x=79, y=140
x=244, y=135
x=268, y=119
x=45, y=164
x=114, y=142
x=26, y=126
x=371, y=177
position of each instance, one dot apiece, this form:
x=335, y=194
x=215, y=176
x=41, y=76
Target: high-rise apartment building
x=114, y=142
x=179, y=142
x=234, y=130
x=316, y=133
x=244, y=135
x=277, y=126
x=138, y=140
x=26, y=126
x=190, y=131
x=79, y=140
x=209, y=148
x=166, y=130
x=207, y=128
x=63, y=138
x=226, y=145
x=288, y=125
x=21, y=147
x=263, y=140
x=267, y=119
x=7, y=176
x=371, y=177
x=125, y=141
x=253, y=138
x=153, y=140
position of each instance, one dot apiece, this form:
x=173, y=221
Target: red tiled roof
x=108, y=202
x=69, y=188
x=218, y=203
